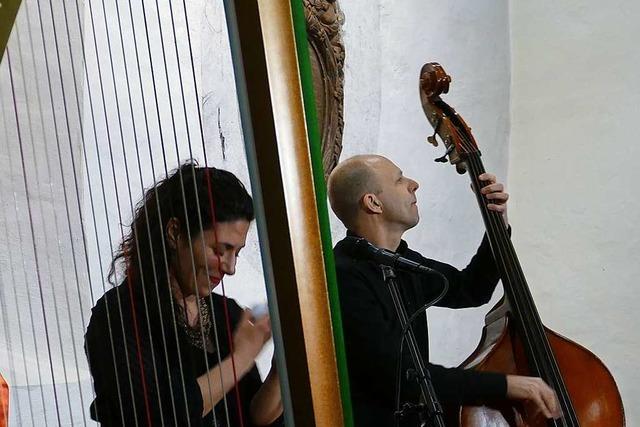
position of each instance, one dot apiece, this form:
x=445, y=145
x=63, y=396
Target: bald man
x=374, y=200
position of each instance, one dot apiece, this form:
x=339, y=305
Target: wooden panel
x=8, y=12
x=279, y=146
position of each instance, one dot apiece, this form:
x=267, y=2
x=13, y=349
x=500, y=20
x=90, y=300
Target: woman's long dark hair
x=197, y=197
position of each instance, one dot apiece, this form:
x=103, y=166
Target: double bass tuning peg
x=432, y=138
x=443, y=158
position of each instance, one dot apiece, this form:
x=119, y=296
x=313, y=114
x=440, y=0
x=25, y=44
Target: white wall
x=572, y=172
x=550, y=91
x=471, y=41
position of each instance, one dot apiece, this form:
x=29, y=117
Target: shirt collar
x=402, y=248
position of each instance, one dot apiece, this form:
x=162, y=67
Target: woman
x=162, y=348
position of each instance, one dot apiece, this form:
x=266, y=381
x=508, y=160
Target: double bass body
x=592, y=389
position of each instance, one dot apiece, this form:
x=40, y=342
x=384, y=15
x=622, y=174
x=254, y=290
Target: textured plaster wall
x=575, y=107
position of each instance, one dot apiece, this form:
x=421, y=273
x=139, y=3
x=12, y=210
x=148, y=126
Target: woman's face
x=199, y=267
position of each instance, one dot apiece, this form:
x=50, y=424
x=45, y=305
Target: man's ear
x=371, y=203
x=172, y=231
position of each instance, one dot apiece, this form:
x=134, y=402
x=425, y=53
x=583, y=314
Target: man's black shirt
x=372, y=331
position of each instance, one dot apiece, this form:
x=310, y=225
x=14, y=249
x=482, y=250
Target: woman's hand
x=250, y=336
x=248, y=339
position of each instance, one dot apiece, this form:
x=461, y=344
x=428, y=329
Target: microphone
x=362, y=248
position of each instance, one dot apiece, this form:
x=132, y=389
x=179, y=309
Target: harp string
x=175, y=135
x=122, y=233
x=209, y=192
x=58, y=132
x=32, y=230
x=146, y=213
x=180, y=175
x=13, y=273
x=165, y=156
x=14, y=281
x=9, y=346
x=37, y=168
x=68, y=127
x=187, y=226
x=211, y=199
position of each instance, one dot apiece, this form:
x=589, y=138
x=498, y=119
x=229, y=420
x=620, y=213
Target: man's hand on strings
x=495, y=194
x=538, y=397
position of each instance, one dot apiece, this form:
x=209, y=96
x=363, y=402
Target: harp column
x=274, y=126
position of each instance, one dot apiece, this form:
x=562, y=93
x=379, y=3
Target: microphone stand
x=432, y=407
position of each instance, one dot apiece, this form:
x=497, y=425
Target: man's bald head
x=349, y=182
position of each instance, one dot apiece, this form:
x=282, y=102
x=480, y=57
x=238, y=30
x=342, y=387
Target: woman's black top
x=145, y=369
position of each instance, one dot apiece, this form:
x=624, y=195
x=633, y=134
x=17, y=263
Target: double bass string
x=543, y=348
x=498, y=234
x=549, y=364
x=543, y=364
x=492, y=220
x=496, y=226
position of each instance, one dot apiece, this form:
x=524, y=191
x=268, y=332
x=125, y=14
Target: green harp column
x=315, y=142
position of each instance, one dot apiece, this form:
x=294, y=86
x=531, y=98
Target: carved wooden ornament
x=326, y=50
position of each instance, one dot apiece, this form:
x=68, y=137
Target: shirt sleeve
x=472, y=286
x=465, y=386
x=134, y=384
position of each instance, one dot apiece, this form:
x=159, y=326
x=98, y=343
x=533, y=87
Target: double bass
x=514, y=339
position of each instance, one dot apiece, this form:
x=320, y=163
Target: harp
x=68, y=154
